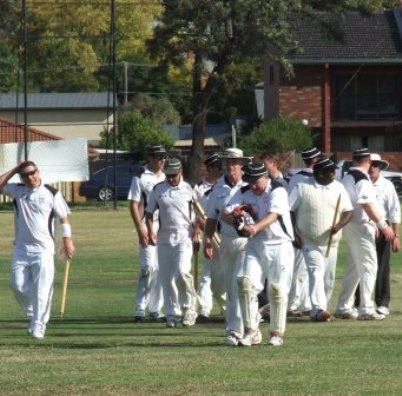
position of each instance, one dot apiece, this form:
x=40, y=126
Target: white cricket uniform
x=149, y=287
x=32, y=271
x=231, y=250
x=360, y=237
x=314, y=205
x=299, y=296
x=211, y=281
x=269, y=254
x=175, y=248
x=388, y=200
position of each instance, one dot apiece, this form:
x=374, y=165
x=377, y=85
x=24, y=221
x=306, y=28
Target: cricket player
x=231, y=250
x=149, y=289
x=390, y=209
x=37, y=205
x=211, y=282
x=269, y=252
x=173, y=198
x=360, y=235
x=316, y=202
x=299, y=298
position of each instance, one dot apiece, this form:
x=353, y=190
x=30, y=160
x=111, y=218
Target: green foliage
x=8, y=69
x=279, y=136
x=160, y=111
x=137, y=133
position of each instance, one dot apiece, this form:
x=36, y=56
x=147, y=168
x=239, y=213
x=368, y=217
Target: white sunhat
x=376, y=160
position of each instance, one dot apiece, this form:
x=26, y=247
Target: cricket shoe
x=139, y=315
x=275, y=339
x=383, y=310
x=349, y=314
x=252, y=338
x=38, y=334
x=157, y=317
x=189, y=318
x=231, y=339
x=172, y=321
x=371, y=316
x=321, y=316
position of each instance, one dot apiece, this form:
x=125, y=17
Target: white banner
x=57, y=160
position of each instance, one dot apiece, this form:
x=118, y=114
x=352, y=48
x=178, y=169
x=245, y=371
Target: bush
x=280, y=135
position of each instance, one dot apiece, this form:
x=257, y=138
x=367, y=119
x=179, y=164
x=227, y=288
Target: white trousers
x=299, y=298
x=274, y=262
x=177, y=281
x=212, y=284
x=321, y=272
x=32, y=276
x=231, y=253
x=361, y=267
x=149, y=288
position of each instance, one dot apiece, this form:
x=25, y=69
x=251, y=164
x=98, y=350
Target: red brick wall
x=301, y=96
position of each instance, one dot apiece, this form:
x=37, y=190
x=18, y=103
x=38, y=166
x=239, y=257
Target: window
x=366, y=96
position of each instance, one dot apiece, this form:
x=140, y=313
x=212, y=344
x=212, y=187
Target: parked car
x=343, y=167
x=101, y=184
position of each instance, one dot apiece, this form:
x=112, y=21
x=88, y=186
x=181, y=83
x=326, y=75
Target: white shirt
x=360, y=192
x=220, y=195
x=388, y=200
x=141, y=187
x=202, y=192
x=270, y=201
x=299, y=177
x=176, y=215
x=35, y=212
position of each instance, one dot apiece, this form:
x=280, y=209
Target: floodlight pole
x=113, y=17
x=25, y=40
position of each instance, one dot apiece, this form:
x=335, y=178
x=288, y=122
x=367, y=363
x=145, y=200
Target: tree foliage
x=279, y=135
x=137, y=133
x=161, y=111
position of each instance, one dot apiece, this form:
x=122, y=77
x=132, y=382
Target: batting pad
x=57, y=160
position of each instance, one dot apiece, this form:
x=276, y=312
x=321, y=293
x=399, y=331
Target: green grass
x=97, y=349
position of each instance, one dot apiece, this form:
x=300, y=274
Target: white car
x=343, y=167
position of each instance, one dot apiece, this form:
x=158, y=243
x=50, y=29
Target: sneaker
x=321, y=316
x=172, y=321
x=383, y=310
x=371, y=316
x=231, y=339
x=251, y=338
x=139, y=315
x=204, y=314
x=275, y=339
x=38, y=334
x=157, y=317
x=189, y=318
x=350, y=314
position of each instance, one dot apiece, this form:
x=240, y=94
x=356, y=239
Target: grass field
x=97, y=349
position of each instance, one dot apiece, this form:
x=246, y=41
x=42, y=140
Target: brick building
x=349, y=90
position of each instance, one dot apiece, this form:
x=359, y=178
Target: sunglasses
x=27, y=174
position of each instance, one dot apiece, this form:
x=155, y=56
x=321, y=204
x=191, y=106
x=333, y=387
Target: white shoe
x=371, y=316
x=275, y=339
x=350, y=314
x=252, y=338
x=38, y=334
x=231, y=339
x=382, y=310
x=205, y=313
x=189, y=318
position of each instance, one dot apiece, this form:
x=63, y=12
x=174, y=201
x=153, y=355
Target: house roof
x=366, y=39
x=12, y=133
x=58, y=100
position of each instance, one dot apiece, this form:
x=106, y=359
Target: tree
x=224, y=32
x=137, y=133
x=280, y=135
